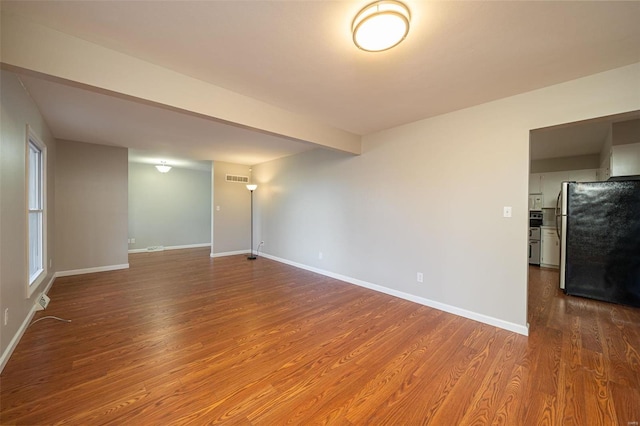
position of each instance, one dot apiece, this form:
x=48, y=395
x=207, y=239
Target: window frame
x=35, y=205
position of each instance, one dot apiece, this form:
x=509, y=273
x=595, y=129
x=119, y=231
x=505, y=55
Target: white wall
x=17, y=110
x=91, y=206
x=232, y=221
x=428, y=197
x=169, y=209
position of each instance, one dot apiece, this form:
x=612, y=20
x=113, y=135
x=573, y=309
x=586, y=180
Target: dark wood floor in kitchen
x=181, y=338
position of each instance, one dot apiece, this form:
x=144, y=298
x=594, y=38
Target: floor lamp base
x=251, y=257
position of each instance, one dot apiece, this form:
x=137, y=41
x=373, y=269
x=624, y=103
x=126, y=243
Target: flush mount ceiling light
x=162, y=167
x=381, y=25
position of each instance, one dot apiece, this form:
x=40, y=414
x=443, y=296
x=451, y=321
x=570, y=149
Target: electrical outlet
x=320, y=255
x=506, y=211
x=133, y=241
x=6, y=316
x=419, y=277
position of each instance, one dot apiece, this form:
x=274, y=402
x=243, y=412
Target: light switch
x=507, y=211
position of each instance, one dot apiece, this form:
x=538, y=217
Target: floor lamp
x=252, y=187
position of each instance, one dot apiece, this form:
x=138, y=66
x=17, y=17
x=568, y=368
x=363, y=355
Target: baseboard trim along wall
x=91, y=270
x=25, y=324
x=524, y=330
x=145, y=250
x=229, y=253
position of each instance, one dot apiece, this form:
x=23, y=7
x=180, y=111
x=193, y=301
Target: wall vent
x=237, y=179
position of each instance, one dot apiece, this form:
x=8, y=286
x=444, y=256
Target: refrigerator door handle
x=562, y=231
x=558, y=212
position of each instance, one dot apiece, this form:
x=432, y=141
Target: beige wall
x=606, y=152
x=169, y=209
x=578, y=162
x=428, y=197
x=232, y=222
x=626, y=132
x=91, y=206
x=17, y=111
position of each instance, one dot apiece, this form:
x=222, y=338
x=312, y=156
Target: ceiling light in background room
x=381, y=25
x=162, y=167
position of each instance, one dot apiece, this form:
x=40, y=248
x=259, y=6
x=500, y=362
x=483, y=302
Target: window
x=36, y=211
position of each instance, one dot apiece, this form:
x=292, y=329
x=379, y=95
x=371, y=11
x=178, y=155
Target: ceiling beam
x=47, y=52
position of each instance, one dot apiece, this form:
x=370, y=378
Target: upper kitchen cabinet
x=625, y=160
x=535, y=183
x=622, y=161
x=551, y=185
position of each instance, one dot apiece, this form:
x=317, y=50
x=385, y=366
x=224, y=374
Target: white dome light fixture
x=381, y=25
x=162, y=167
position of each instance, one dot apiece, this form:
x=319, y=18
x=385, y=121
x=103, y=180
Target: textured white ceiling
x=298, y=55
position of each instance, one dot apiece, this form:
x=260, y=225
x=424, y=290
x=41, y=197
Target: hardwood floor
x=181, y=338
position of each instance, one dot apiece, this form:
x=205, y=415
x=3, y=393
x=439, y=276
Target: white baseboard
x=144, y=250
x=229, y=253
x=91, y=270
x=16, y=338
x=25, y=324
x=544, y=265
x=506, y=325
x=49, y=284
x=516, y=328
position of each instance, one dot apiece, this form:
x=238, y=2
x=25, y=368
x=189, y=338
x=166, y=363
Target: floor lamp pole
x=251, y=256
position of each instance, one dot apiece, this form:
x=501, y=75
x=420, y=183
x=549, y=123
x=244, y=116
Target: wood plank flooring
x=181, y=338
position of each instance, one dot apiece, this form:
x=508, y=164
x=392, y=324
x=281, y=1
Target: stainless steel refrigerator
x=599, y=228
